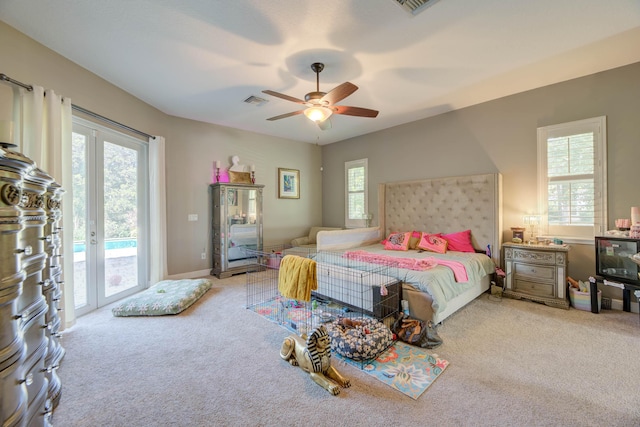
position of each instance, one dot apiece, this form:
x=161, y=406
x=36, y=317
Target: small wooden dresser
x=537, y=273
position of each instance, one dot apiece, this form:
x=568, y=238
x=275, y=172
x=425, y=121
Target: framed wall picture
x=288, y=183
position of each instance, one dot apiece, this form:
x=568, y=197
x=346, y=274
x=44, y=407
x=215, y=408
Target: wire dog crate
x=346, y=289
x=263, y=296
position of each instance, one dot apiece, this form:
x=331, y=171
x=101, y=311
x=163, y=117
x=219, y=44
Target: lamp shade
x=318, y=113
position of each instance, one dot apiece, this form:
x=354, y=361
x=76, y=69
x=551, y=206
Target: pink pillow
x=398, y=241
x=433, y=243
x=460, y=241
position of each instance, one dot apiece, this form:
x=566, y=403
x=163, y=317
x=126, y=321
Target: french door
x=110, y=214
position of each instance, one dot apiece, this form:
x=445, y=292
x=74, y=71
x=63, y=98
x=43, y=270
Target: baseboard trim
x=616, y=304
x=200, y=273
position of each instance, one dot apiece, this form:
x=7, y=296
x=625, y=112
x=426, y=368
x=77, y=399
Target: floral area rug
x=408, y=369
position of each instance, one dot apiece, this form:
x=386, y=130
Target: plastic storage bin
x=274, y=260
x=582, y=300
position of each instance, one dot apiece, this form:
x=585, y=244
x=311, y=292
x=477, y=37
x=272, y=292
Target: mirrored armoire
x=236, y=220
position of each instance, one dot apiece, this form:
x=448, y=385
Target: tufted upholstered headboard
x=445, y=205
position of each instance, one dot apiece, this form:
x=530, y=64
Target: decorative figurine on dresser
x=236, y=221
x=29, y=289
x=537, y=272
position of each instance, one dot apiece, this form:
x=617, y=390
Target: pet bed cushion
x=165, y=297
x=364, y=341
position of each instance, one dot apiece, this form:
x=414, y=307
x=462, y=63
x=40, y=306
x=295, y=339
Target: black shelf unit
x=614, y=263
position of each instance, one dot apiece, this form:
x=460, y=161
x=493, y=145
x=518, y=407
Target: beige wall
x=195, y=147
x=500, y=136
x=191, y=150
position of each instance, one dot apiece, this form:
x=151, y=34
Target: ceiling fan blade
x=325, y=124
x=283, y=96
x=339, y=93
x=284, y=116
x=354, y=111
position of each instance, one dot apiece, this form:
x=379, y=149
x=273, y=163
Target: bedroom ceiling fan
x=321, y=105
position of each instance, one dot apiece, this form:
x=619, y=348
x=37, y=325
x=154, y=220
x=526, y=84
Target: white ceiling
x=200, y=59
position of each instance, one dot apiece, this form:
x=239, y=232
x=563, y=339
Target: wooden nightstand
x=537, y=273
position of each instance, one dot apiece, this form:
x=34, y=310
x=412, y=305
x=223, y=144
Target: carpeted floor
x=217, y=364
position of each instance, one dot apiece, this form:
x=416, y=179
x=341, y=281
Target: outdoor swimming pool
x=109, y=244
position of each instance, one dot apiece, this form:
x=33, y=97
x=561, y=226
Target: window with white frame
x=572, y=179
x=356, y=204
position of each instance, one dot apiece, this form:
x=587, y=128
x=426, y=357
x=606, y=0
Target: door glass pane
x=120, y=218
x=79, y=166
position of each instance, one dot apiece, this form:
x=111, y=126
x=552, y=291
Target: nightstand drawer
x=538, y=257
x=534, y=288
x=538, y=272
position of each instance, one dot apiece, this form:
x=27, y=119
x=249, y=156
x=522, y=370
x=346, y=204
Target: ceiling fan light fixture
x=321, y=105
x=318, y=113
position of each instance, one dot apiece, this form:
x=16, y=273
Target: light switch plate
x=193, y=217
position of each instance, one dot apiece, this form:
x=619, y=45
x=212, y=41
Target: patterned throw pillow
x=460, y=241
x=433, y=243
x=398, y=241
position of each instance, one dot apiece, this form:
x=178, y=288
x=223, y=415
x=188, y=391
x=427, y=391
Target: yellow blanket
x=297, y=277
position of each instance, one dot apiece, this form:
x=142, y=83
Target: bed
x=450, y=206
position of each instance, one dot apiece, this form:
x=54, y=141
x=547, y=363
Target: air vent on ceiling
x=415, y=6
x=255, y=100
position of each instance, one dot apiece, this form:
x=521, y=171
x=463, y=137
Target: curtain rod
x=82, y=110
x=107, y=120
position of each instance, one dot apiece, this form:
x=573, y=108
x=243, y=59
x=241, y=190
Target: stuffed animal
x=348, y=323
x=314, y=357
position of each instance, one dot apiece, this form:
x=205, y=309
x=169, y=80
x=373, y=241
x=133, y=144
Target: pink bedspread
x=459, y=271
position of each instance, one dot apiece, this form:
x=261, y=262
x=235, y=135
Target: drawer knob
x=50, y=369
x=22, y=315
x=29, y=380
x=28, y=250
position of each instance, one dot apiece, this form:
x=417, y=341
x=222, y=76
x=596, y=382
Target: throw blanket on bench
x=459, y=271
x=297, y=277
